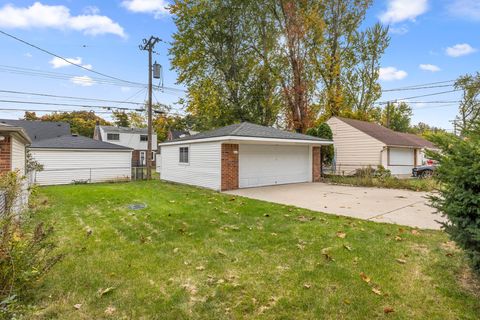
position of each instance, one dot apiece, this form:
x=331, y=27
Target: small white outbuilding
x=359, y=144
x=70, y=159
x=240, y=156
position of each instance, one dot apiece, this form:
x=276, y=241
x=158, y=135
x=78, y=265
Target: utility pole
x=148, y=45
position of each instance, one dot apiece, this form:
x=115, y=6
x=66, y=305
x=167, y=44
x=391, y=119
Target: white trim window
x=113, y=136
x=143, y=137
x=183, y=152
x=143, y=155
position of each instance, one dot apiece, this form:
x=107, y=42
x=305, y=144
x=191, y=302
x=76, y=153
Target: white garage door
x=401, y=157
x=263, y=165
x=69, y=166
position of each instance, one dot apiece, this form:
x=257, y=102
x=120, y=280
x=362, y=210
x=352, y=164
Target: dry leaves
x=77, y=306
x=110, y=310
x=365, y=277
x=200, y=268
x=341, y=234
x=377, y=291
x=401, y=261
x=102, y=292
x=326, y=253
x=347, y=247
x=388, y=310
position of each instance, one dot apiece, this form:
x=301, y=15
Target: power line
x=47, y=110
x=419, y=88
x=62, y=58
x=419, y=85
x=70, y=97
x=67, y=105
x=421, y=96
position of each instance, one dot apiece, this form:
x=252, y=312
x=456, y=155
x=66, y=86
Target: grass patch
x=196, y=254
x=429, y=184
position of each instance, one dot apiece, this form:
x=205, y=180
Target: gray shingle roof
x=75, y=142
x=388, y=136
x=39, y=130
x=113, y=129
x=246, y=129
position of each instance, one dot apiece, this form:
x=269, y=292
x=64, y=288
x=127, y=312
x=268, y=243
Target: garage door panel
x=401, y=156
x=261, y=165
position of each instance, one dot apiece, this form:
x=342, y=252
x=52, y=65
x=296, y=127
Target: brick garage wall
x=6, y=154
x=136, y=158
x=229, y=166
x=316, y=165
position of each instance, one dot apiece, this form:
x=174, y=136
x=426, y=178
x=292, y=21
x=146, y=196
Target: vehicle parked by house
x=425, y=171
x=134, y=138
x=360, y=144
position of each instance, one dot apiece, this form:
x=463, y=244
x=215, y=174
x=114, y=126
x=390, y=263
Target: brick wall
x=136, y=158
x=6, y=155
x=316, y=165
x=229, y=166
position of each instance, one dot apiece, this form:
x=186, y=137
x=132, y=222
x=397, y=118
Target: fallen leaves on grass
x=347, y=247
x=401, y=261
x=77, y=306
x=200, y=268
x=377, y=291
x=110, y=310
x=341, y=234
x=365, y=277
x=175, y=250
x=388, y=310
x=398, y=238
x=307, y=286
x=326, y=253
x=102, y=292
x=305, y=218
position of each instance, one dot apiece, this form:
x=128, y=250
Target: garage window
x=183, y=154
x=113, y=136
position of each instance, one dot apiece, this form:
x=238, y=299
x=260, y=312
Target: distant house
x=134, y=138
x=13, y=143
x=359, y=144
x=176, y=134
x=68, y=158
x=240, y=156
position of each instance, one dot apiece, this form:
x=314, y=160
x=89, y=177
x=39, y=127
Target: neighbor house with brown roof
x=359, y=144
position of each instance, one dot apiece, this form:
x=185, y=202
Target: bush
x=323, y=131
x=25, y=252
x=459, y=197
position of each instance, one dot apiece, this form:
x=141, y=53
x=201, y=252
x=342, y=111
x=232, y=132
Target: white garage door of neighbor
x=401, y=157
x=263, y=165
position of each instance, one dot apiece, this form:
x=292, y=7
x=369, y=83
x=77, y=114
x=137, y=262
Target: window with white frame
x=183, y=154
x=113, y=136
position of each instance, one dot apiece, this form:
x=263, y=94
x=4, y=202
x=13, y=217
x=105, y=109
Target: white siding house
x=241, y=156
x=202, y=169
x=71, y=159
x=18, y=155
x=359, y=144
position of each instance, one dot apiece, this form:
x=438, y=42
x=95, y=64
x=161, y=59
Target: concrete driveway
x=402, y=207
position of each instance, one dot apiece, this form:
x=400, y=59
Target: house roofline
x=248, y=139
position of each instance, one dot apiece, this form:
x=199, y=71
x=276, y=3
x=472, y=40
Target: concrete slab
x=397, y=206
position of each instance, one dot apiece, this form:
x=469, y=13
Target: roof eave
x=248, y=139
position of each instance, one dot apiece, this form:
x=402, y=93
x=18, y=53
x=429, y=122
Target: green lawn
x=197, y=254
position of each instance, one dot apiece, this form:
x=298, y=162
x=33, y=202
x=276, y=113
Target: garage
x=240, y=156
x=76, y=159
x=261, y=165
x=401, y=160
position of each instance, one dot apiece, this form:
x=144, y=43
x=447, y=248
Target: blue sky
x=431, y=41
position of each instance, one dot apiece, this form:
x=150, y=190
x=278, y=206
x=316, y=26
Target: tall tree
x=81, y=122
x=397, y=116
x=469, y=110
x=120, y=119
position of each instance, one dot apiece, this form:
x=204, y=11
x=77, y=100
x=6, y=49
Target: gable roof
x=176, y=134
x=386, y=135
x=247, y=129
x=75, y=142
x=113, y=129
x=19, y=131
x=39, y=130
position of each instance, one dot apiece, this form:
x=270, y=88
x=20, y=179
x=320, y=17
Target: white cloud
x=39, y=15
x=400, y=30
x=429, y=67
x=84, y=81
x=156, y=7
x=469, y=9
x=461, y=49
x=60, y=63
x=401, y=10
x=391, y=73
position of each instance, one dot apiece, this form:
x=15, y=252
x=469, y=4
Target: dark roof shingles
x=39, y=130
x=246, y=129
x=388, y=136
x=75, y=142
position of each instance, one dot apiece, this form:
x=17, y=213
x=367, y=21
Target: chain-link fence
x=88, y=175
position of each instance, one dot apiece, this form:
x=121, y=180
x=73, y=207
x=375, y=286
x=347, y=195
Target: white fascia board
x=79, y=150
x=248, y=139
